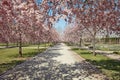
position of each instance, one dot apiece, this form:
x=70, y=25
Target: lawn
x=108, y=66
x=9, y=57
x=42, y=45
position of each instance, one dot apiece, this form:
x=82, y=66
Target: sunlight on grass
x=9, y=57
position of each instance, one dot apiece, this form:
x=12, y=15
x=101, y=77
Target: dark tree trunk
x=38, y=46
x=107, y=39
x=20, y=45
x=107, y=36
x=7, y=44
x=80, y=44
x=17, y=43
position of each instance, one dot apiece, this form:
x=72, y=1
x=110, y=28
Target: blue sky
x=60, y=25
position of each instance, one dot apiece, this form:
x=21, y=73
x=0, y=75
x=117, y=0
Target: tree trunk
x=107, y=39
x=80, y=44
x=107, y=36
x=7, y=44
x=45, y=44
x=38, y=46
x=17, y=43
x=20, y=45
x=94, y=53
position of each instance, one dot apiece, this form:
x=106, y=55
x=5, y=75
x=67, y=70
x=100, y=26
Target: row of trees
x=30, y=21
x=23, y=21
x=93, y=17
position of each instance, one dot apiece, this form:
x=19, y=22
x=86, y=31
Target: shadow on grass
x=75, y=49
x=35, y=52
x=113, y=65
x=10, y=65
x=107, y=64
x=28, y=54
x=68, y=44
x=85, y=52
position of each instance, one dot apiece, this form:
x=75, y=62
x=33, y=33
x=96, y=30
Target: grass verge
x=110, y=67
x=9, y=57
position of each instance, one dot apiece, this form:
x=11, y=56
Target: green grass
x=108, y=66
x=9, y=57
x=42, y=45
x=10, y=44
x=25, y=45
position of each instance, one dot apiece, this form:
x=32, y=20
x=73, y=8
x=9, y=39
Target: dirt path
x=57, y=63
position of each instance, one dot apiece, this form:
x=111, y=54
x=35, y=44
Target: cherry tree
x=22, y=21
x=25, y=21
x=93, y=15
x=5, y=15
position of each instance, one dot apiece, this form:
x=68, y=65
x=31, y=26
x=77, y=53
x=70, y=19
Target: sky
x=59, y=25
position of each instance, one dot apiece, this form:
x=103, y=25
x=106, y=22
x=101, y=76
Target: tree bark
x=38, y=46
x=94, y=53
x=80, y=44
x=17, y=43
x=107, y=36
x=20, y=45
x=7, y=44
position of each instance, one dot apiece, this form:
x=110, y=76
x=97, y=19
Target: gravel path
x=57, y=63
